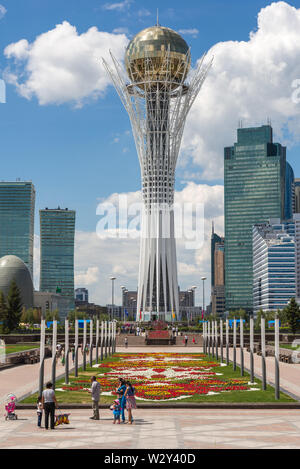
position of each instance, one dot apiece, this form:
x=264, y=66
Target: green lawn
x=14, y=348
x=286, y=346
x=237, y=396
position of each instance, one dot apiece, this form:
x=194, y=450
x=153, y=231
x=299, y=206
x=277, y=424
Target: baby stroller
x=10, y=407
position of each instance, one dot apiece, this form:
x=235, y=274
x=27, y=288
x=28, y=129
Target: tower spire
x=157, y=21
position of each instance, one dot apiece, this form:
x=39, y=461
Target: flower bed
x=158, y=335
x=163, y=376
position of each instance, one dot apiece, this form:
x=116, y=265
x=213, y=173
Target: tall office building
x=289, y=202
x=296, y=219
x=217, y=274
x=274, y=275
x=255, y=191
x=213, y=241
x=297, y=195
x=17, y=202
x=57, y=231
x=82, y=295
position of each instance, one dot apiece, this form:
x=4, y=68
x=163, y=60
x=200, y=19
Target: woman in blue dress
x=121, y=395
x=130, y=400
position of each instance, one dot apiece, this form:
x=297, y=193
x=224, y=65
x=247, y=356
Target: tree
x=241, y=313
x=292, y=313
x=3, y=314
x=29, y=316
x=14, y=306
x=268, y=315
x=37, y=315
x=51, y=315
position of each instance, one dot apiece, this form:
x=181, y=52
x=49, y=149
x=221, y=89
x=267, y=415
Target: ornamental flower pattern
x=163, y=376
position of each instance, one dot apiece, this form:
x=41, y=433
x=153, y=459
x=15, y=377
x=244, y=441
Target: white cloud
x=249, y=80
x=97, y=259
x=121, y=30
x=3, y=11
x=87, y=277
x=121, y=256
x=63, y=66
x=190, y=32
x=143, y=12
x=120, y=6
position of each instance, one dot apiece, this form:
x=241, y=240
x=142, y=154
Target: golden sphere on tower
x=157, y=56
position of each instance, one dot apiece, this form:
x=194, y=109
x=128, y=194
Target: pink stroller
x=10, y=407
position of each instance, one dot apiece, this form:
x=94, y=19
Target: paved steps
x=139, y=341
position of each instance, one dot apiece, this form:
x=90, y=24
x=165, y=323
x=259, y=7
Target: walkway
x=289, y=372
x=160, y=429
x=22, y=380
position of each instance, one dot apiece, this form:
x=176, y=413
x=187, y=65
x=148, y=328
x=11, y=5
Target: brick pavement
x=160, y=429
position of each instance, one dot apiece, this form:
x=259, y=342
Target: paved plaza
x=160, y=429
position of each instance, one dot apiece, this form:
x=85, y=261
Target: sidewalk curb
x=187, y=405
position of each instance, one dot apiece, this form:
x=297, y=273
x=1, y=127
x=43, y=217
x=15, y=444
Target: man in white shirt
x=95, y=391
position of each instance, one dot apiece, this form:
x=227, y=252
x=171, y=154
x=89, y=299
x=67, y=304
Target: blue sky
x=62, y=149
x=76, y=155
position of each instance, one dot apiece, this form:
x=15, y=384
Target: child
x=116, y=408
x=39, y=411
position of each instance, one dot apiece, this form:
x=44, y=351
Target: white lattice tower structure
x=158, y=102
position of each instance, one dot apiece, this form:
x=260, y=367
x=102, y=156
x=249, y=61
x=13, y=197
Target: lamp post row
x=105, y=340
x=213, y=343
x=104, y=343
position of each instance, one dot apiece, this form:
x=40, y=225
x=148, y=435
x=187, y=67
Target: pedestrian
x=73, y=354
x=130, y=400
x=176, y=331
x=49, y=404
x=95, y=392
x=116, y=408
x=194, y=341
x=126, y=342
x=185, y=340
x=39, y=411
x=121, y=395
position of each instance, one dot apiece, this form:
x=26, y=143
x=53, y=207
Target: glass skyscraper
x=289, y=203
x=217, y=274
x=17, y=203
x=57, y=231
x=274, y=274
x=254, y=185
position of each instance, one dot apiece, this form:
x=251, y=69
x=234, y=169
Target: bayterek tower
x=157, y=89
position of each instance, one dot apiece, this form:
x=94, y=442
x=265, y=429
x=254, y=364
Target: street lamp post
x=193, y=290
x=112, y=296
x=123, y=306
x=203, y=280
x=190, y=305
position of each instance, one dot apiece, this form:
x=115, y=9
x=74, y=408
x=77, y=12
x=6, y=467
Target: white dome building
x=13, y=268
